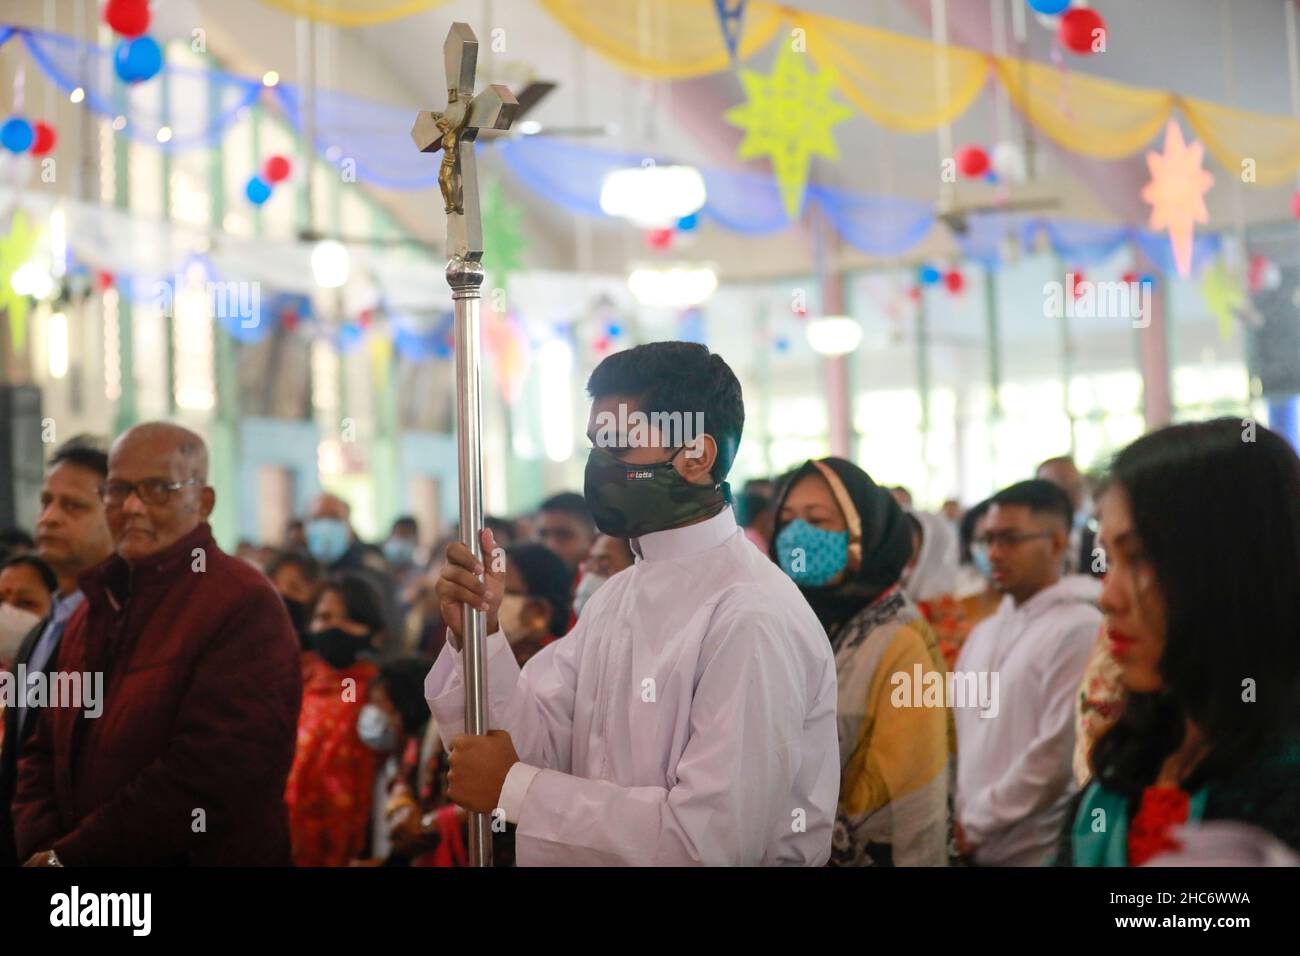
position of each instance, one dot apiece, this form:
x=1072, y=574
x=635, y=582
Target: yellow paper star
x=1224, y=297
x=788, y=116
x=1176, y=193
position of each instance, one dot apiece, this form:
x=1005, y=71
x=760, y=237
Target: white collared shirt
x=1013, y=768
x=688, y=718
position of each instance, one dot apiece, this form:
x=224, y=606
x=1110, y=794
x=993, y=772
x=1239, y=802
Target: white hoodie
x=1013, y=768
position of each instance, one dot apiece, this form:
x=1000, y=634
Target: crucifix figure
x=454, y=131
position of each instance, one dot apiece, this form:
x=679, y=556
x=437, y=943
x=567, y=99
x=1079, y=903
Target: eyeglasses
x=1008, y=539
x=152, y=491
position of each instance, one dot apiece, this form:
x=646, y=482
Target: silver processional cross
x=454, y=131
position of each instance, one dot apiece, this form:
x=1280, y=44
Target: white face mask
x=511, y=616
x=15, y=624
x=586, y=588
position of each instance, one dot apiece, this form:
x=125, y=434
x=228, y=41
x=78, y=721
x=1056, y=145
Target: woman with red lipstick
x=1200, y=525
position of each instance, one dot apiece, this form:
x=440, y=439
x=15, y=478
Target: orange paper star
x=1176, y=193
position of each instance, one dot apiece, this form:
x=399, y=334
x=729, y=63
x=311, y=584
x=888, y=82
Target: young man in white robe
x=1014, y=775
x=689, y=717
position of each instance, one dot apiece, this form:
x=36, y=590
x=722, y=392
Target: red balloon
x=914, y=293
x=276, y=169
x=130, y=18
x=1295, y=204
x=1130, y=278
x=1079, y=280
x=972, y=161
x=45, y=138
x=103, y=280
x=955, y=281
x=659, y=238
x=1077, y=29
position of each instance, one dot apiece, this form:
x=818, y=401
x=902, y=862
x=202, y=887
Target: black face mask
x=628, y=501
x=300, y=617
x=338, y=647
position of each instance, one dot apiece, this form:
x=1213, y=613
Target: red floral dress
x=333, y=775
x=1162, y=809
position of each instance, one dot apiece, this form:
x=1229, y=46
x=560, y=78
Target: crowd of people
x=679, y=672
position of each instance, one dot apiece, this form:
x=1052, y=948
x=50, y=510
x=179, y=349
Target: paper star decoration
x=1176, y=193
x=1225, y=298
x=788, y=116
x=502, y=234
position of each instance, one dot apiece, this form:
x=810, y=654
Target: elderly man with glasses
x=1013, y=759
x=187, y=761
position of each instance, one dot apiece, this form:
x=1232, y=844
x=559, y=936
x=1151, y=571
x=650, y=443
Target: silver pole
x=465, y=276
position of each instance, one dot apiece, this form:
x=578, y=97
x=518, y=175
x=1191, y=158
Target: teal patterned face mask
x=810, y=555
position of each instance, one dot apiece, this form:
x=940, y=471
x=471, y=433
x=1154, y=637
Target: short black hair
x=966, y=529
x=407, y=523
x=503, y=529
x=43, y=570
x=360, y=600
x=303, y=562
x=84, y=451
x=570, y=503
x=680, y=377
x=403, y=682
x=545, y=576
x=1040, y=497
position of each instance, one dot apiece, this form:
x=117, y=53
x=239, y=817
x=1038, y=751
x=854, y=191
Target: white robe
x=688, y=718
x=1013, y=768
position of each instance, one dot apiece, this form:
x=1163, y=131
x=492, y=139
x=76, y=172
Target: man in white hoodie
x=1013, y=760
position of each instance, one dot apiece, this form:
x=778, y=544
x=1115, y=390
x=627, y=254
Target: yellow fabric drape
x=1232, y=136
x=890, y=77
x=1085, y=114
x=352, y=13
x=669, y=39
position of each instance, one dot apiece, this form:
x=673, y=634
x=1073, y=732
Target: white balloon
x=1009, y=162
x=1271, y=276
x=173, y=19
x=16, y=169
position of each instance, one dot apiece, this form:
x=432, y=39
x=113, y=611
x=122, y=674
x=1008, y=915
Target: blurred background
x=947, y=239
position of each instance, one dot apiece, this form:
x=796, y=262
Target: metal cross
x=454, y=131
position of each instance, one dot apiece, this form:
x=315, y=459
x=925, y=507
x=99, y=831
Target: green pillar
x=125, y=415
x=223, y=433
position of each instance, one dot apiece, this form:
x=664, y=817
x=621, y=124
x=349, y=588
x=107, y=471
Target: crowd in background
x=1014, y=586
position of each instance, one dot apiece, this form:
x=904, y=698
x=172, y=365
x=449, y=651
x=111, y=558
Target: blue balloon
x=137, y=60
x=930, y=275
x=688, y=223
x=1049, y=7
x=17, y=135
x=613, y=330
x=991, y=177
x=258, y=190
x=1148, y=279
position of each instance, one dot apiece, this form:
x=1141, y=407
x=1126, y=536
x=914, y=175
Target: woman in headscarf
x=845, y=542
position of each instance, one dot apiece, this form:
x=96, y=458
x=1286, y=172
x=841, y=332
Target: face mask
x=810, y=555
x=376, y=730
x=586, y=588
x=628, y=501
x=511, y=616
x=399, y=552
x=15, y=624
x=327, y=539
x=338, y=647
x=980, y=558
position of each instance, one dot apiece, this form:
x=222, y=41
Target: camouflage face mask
x=628, y=501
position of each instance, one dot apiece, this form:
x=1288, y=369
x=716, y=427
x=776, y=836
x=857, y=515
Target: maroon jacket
x=201, y=689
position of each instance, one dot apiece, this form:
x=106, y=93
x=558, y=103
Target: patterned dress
x=896, y=761
x=332, y=781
